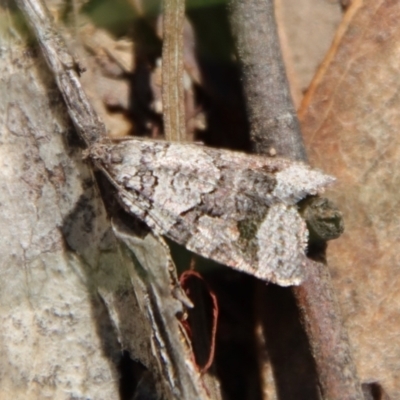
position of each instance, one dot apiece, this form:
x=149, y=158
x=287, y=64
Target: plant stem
x=172, y=71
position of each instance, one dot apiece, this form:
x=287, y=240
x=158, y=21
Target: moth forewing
x=237, y=209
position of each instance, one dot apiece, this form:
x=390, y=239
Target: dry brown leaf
x=306, y=29
x=350, y=120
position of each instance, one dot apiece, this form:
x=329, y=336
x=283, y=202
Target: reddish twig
x=184, y=283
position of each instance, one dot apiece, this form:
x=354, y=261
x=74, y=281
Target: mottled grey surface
x=234, y=208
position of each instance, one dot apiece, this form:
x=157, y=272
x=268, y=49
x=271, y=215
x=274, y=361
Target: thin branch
x=172, y=71
x=275, y=130
x=330, y=346
x=65, y=70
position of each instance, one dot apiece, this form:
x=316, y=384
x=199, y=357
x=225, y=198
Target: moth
x=237, y=209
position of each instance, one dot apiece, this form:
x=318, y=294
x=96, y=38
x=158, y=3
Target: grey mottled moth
x=234, y=208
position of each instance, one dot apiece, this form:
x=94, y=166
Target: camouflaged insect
x=234, y=208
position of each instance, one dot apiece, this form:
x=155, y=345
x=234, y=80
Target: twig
x=321, y=316
x=172, y=71
x=65, y=71
x=276, y=130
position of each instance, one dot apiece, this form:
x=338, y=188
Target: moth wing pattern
x=237, y=209
x=277, y=253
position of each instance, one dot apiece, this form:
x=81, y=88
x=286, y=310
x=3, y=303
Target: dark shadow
x=287, y=345
x=235, y=356
x=148, y=48
x=220, y=95
x=131, y=373
x=374, y=391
